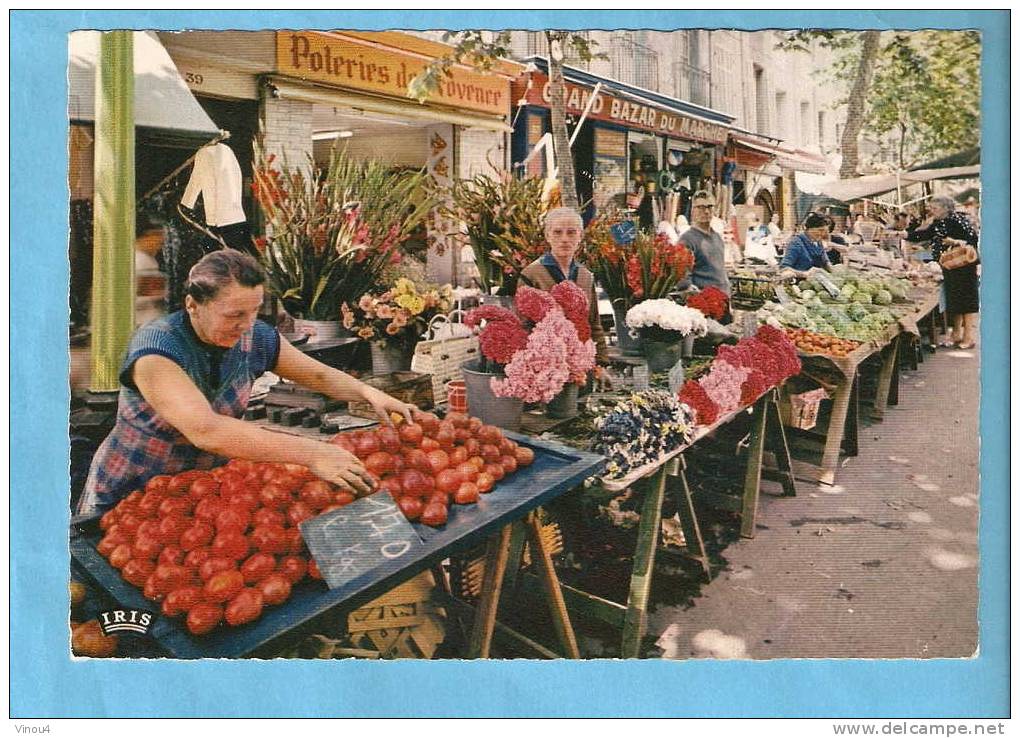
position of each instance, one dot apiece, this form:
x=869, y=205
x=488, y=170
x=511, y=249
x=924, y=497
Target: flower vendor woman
x=185, y=384
x=563, y=231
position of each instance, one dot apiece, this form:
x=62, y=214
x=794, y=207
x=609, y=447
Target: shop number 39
x=192, y=78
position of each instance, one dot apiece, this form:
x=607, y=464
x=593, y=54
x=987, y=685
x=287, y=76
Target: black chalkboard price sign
x=367, y=534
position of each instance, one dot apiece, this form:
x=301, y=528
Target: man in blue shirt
x=805, y=252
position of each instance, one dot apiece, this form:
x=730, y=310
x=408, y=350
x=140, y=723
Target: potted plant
x=504, y=219
x=662, y=325
x=331, y=232
x=392, y=321
x=530, y=354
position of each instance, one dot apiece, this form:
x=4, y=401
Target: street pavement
x=881, y=565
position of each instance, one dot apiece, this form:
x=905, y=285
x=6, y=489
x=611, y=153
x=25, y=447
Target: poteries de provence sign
x=623, y=112
x=353, y=63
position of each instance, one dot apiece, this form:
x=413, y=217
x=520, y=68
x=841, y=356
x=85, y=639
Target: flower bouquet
x=711, y=301
x=662, y=325
x=330, y=233
x=655, y=266
x=606, y=258
x=398, y=316
x=504, y=221
x=537, y=349
x=641, y=429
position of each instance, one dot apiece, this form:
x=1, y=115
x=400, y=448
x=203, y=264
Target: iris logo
x=126, y=621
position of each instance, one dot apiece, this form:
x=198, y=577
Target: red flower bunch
x=770, y=357
x=503, y=335
x=753, y=387
x=574, y=303
x=656, y=266
x=533, y=304
x=711, y=301
x=695, y=397
x=786, y=350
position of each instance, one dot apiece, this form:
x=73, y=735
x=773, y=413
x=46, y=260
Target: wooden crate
x=409, y=387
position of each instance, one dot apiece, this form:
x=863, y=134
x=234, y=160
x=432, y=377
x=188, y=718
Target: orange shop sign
x=622, y=112
x=334, y=59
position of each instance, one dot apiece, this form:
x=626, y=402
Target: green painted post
x=113, y=261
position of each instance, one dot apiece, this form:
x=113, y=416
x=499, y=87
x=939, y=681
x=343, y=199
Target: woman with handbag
x=951, y=233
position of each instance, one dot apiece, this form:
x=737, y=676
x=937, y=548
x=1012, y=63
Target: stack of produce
x=816, y=343
x=641, y=429
x=853, y=322
x=856, y=287
x=221, y=545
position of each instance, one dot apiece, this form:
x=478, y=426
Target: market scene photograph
x=524, y=344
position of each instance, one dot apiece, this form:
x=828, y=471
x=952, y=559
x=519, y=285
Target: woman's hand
x=384, y=404
x=341, y=467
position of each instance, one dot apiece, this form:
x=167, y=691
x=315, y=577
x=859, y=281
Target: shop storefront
x=633, y=145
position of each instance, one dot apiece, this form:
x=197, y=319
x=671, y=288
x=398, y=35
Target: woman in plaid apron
x=186, y=381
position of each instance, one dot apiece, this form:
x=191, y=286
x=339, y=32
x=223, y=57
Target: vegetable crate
x=801, y=410
x=750, y=293
x=409, y=387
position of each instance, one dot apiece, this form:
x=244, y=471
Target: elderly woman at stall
x=185, y=384
x=563, y=231
x=805, y=252
x=946, y=228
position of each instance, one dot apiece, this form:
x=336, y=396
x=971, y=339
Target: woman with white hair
x=563, y=231
x=947, y=228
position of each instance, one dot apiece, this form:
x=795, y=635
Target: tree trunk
x=857, y=103
x=557, y=112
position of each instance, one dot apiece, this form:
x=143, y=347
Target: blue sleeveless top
x=142, y=444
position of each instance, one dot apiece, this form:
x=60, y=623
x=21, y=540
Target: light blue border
x=45, y=684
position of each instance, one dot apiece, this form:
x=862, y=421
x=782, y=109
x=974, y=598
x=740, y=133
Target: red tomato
x=489, y=434
x=298, y=471
x=257, y=567
x=223, y=586
x=148, y=506
x=398, y=463
x=129, y=523
x=457, y=420
x=429, y=444
x=171, y=527
x=507, y=447
x=181, y=600
x=366, y=445
x=418, y=459
x=445, y=438
x=247, y=500
x=232, y=484
x=149, y=528
x=209, y=507
x=466, y=494
x=120, y=555
x=265, y=516
x=203, y=488
x=145, y=547
x=241, y=466
x=198, y=535
x=203, y=617
x=485, y=482
x=269, y=539
x=275, y=497
x=467, y=471
x=458, y=456
x=429, y=423
x=434, y=514
x=136, y=571
x=116, y=535
x=414, y=482
x=105, y=547
x=290, y=482
x=379, y=463
x=175, y=506
x=438, y=461
x=151, y=590
x=299, y=512
x=293, y=568
x=214, y=565
x=495, y=471
x=509, y=464
x=393, y=486
x=448, y=480
x=411, y=507
x=295, y=543
x=171, y=555
x=490, y=453
x=411, y=434
x=473, y=447
x=196, y=557
x=524, y=455
x=108, y=519
x=389, y=439
x=230, y=544
x=461, y=435
x=344, y=441
x=342, y=498
x=313, y=570
x=179, y=484
x=275, y=589
x=443, y=498
x=157, y=484
x=234, y=517
x=169, y=577
x=474, y=425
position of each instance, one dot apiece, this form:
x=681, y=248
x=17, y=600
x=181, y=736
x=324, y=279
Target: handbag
x=958, y=256
x=446, y=347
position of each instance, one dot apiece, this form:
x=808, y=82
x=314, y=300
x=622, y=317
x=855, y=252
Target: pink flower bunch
x=574, y=304
x=693, y=395
x=723, y=385
x=533, y=304
x=552, y=357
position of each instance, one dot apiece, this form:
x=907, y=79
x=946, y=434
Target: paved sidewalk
x=882, y=565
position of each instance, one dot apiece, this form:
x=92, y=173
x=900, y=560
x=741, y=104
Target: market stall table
x=556, y=469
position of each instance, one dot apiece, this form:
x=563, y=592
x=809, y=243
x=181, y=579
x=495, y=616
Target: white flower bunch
x=668, y=316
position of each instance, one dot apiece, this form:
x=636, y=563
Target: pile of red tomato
x=430, y=463
x=222, y=545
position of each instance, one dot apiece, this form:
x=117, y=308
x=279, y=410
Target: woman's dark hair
x=814, y=220
x=218, y=270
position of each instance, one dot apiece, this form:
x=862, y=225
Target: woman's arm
x=177, y=400
x=306, y=371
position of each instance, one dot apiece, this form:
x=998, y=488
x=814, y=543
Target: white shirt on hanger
x=217, y=175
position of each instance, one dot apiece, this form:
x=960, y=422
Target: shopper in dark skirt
x=946, y=228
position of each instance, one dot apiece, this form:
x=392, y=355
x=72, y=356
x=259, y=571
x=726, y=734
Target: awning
x=293, y=90
x=162, y=99
x=876, y=184
x=801, y=161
